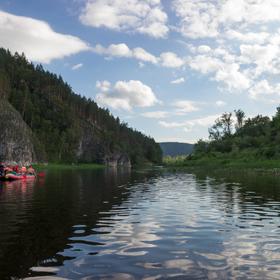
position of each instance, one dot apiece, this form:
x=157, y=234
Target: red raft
x=16, y=176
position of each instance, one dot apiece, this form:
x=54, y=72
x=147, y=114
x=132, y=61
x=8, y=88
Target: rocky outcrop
x=92, y=149
x=16, y=139
x=117, y=159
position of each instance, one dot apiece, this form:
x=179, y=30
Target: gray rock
x=16, y=139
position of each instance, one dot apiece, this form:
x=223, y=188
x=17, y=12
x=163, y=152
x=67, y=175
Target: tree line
x=57, y=115
x=235, y=135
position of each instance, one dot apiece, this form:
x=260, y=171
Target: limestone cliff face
x=117, y=159
x=92, y=149
x=18, y=144
x=16, y=139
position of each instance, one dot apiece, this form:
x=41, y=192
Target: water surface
x=153, y=224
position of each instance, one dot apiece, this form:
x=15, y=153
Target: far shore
x=61, y=166
x=271, y=166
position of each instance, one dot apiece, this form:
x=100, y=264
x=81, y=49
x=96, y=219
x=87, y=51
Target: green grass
x=223, y=162
x=58, y=166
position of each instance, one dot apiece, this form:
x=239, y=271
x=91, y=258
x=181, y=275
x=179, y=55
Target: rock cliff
x=16, y=139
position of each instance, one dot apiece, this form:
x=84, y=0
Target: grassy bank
x=223, y=162
x=63, y=166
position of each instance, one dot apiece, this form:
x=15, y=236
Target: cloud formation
x=188, y=125
x=145, y=17
x=201, y=19
x=166, y=59
x=243, y=36
x=220, y=103
x=170, y=59
x=36, y=39
x=155, y=114
x=185, y=106
x=77, y=66
x=122, y=50
x=178, y=81
x=125, y=95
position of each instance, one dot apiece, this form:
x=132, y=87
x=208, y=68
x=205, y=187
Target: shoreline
x=63, y=166
x=225, y=165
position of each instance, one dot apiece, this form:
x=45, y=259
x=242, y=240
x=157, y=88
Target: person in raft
x=23, y=170
x=8, y=169
x=31, y=170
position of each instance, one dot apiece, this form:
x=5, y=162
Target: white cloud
x=104, y=86
x=227, y=73
x=243, y=40
x=190, y=124
x=264, y=57
x=265, y=92
x=119, y=50
x=125, y=95
x=200, y=18
x=77, y=66
x=143, y=55
x=122, y=50
x=36, y=39
x=232, y=77
x=146, y=17
x=178, y=81
x=166, y=59
x=170, y=59
x=172, y=124
x=203, y=49
x=248, y=37
x=220, y=103
x=197, y=18
x=155, y=115
x=205, y=64
x=185, y=106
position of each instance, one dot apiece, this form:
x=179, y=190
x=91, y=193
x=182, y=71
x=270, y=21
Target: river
x=140, y=224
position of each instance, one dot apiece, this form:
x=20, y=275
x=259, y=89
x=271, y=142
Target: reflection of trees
x=239, y=189
x=37, y=221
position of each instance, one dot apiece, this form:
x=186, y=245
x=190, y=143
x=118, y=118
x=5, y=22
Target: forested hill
x=65, y=126
x=175, y=148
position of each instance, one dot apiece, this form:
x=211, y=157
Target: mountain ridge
x=176, y=148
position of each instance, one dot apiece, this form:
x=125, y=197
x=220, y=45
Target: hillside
x=175, y=148
x=63, y=126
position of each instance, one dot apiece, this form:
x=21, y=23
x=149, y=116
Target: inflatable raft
x=15, y=176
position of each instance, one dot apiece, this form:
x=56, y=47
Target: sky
x=168, y=68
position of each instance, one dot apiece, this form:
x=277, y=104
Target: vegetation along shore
x=236, y=142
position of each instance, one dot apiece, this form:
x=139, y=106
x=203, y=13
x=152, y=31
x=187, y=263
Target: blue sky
x=168, y=68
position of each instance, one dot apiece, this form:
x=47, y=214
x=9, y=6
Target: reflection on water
x=114, y=224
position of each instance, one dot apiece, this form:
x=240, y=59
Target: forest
x=236, y=141
x=235, y=136
x=59, y=118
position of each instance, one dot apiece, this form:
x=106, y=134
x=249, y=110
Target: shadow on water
x=38, y=218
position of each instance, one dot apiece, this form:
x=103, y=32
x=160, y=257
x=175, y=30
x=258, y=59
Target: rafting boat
x=16, y=176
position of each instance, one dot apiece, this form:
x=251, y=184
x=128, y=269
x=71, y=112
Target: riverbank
x=64, y=166
x=223, y=163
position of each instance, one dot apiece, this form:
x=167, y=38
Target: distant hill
x=175, y=148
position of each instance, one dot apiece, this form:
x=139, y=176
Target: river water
x=141, y=224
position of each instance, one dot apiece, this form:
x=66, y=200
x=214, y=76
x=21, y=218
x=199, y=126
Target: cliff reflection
x=37, y=218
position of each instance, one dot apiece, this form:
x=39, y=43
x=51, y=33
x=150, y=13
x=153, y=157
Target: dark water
x=110, y=224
